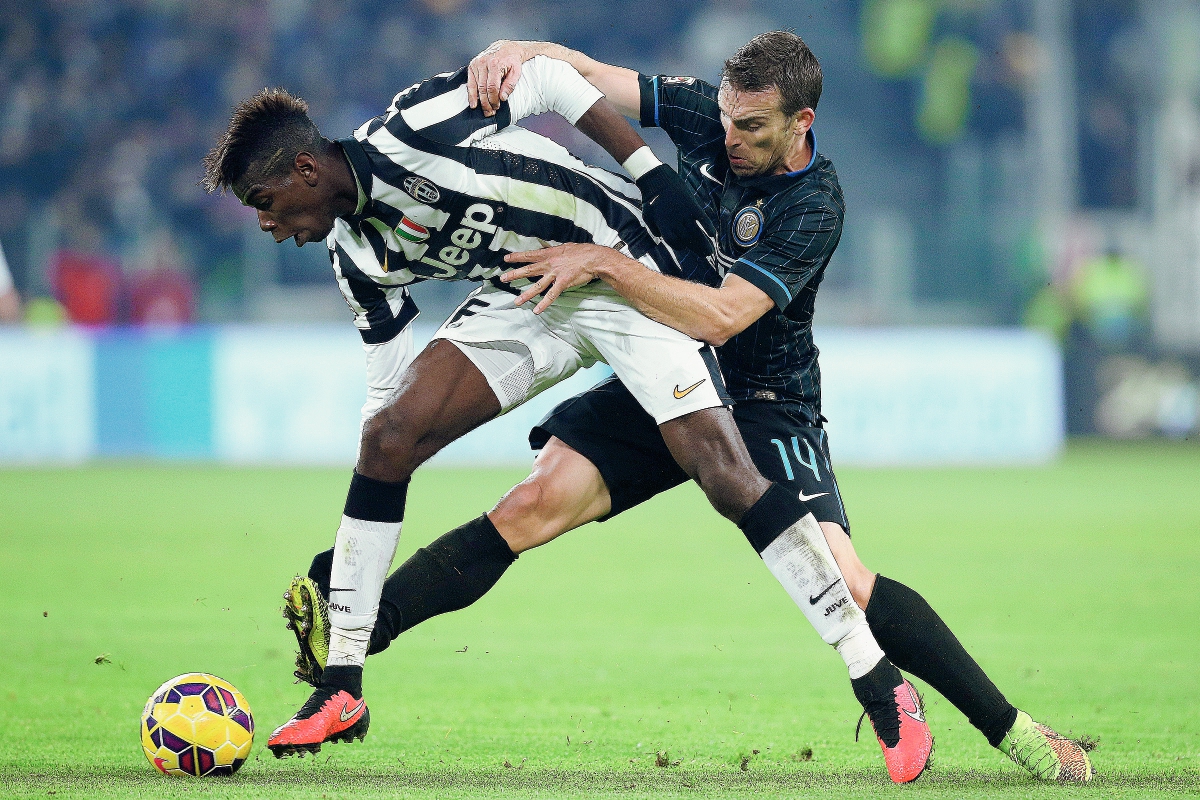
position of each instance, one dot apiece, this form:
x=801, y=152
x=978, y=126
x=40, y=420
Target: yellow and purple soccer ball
x=197, y=724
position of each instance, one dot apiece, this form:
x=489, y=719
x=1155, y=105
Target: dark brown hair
x=264, y=136
x=780, y=59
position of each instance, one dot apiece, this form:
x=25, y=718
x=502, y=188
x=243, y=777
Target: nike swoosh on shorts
x=682, y=393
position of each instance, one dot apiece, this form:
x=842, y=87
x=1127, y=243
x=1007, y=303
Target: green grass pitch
x=1076, y=586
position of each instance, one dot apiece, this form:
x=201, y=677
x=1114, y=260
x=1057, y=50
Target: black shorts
x=611, y=430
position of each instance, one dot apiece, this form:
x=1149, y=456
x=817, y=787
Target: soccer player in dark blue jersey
x=747, y=150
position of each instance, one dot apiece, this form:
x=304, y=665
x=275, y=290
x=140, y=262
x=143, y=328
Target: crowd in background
x=108, y=106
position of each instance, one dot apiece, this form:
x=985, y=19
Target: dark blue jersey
x=778, y=232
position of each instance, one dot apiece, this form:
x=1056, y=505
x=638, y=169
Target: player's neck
x=344, y=183
x=798, y=157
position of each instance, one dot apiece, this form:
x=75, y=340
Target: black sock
x=347, y=678
x=916, y=640
x=451, y=573
x=876, y=692
x=776, y=511
x=375, y=501
x=772, y=514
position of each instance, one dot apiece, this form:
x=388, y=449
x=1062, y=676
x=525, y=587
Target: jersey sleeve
x=686, y=108
x=438, y=109
x=548, y=84
x=789, y=253
x=380, y=300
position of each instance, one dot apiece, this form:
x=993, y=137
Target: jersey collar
x=360, y=165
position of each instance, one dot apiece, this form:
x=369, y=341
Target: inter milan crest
x=747, y=226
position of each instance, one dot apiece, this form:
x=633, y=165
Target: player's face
x=292, y=206
x=758, y=137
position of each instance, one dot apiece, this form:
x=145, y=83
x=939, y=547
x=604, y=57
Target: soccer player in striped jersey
x=434, y=189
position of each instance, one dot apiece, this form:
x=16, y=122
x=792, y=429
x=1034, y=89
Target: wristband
x=642, y=161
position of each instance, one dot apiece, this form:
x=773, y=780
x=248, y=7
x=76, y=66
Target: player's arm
x=771, y=273
x=668, y=207
x=493, y=74
x=702, y=312
x=709, y=314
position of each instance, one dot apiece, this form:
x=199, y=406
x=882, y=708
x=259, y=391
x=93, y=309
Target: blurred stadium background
x=1022, y=236
x=1020, y=265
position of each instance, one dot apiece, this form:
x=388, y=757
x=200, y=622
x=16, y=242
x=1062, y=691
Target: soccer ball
x=197, y=724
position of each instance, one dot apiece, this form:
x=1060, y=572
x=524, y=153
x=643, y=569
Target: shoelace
x=885, y=719
x=1031, y=750
x=320, y=696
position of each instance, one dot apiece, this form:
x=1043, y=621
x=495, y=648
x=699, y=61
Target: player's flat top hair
x=780, y=59
x=264, y=136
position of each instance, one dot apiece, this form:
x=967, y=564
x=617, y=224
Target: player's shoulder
x=687, y=92
x=817, y=188
x=686, y=84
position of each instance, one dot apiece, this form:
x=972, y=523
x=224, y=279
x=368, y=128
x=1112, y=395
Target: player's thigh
x=514, y=349
x=563, y=491
x=440, y=397
x=608, y=427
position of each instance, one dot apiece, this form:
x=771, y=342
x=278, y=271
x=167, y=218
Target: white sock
x=859, y=650
x=800, y=559
x=362, y=554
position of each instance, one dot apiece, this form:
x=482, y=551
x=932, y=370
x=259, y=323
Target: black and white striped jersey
x=445, y=193
x=776, y=231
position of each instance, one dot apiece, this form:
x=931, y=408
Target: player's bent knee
x=524, y=517
x=730, y=492
x=386, y=451
x=564, y=491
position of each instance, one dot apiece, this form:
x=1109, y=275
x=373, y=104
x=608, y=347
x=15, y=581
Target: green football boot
x=307, y=616
x=1044, y=754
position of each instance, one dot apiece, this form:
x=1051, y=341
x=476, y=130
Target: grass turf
x=657, y=633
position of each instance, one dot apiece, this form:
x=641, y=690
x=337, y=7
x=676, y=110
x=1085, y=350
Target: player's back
x=446, y=193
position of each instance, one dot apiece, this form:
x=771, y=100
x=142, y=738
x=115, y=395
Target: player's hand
x=493, y=74
x=556, y=269
x=671, y=212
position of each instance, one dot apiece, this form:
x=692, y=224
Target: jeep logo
x=476, y=221
x=421, y=190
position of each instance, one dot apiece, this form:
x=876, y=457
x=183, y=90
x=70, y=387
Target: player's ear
x=305, y=165
x=804, y=120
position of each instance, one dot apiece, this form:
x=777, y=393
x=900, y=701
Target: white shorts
x=385, y=363
x=522, y=353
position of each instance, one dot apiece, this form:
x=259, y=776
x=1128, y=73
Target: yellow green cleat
x=307, y=616
x=1045, y=754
